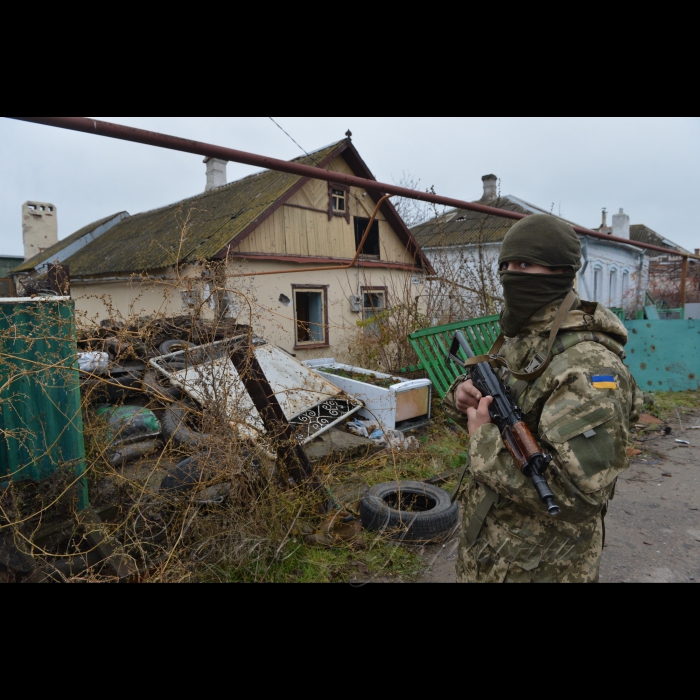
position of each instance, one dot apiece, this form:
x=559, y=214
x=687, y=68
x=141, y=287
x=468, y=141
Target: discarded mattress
x=311, y=403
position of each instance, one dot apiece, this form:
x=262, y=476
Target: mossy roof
x=462, y=227
x=643, y=234
x=190, y=230
x=49, y=254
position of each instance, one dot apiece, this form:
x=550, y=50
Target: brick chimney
x=490, y=188
x=216, y=173
x=621, y=225
x=39, y=227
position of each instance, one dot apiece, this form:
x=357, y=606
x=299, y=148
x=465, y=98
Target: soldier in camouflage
x=581, y=408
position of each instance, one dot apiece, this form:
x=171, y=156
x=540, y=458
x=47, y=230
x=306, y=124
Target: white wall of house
x=266, y=302
x=616, y=275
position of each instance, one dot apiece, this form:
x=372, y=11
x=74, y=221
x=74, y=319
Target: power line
x=290, y=136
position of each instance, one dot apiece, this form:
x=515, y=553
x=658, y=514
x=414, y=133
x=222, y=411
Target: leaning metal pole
x=174, y=143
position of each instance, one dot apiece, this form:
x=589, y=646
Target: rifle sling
x=495, y=360
x=476, y=524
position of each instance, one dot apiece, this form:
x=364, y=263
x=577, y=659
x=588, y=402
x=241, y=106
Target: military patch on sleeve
x=606, y=381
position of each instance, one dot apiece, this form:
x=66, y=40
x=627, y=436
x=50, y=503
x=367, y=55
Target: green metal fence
x=433, y=346
x=41, y=427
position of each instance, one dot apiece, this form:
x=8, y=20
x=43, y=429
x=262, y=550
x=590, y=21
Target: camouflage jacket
x=582, y=421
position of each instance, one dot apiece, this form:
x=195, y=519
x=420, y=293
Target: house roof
x=201, y=227
x=49, y=254
x=461, y=227
x=643, y=234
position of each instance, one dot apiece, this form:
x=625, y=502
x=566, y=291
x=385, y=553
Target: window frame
x=613, y=285
x=374, y=290
x=313, y=345
x=332, y=213
x=369, y=256
x=598, y=290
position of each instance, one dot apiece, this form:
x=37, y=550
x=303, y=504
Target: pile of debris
x=187, y=415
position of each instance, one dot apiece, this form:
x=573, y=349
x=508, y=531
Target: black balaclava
x=539, y=240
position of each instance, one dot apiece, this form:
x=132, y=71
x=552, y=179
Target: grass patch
x=298, y=563
x=667, y=402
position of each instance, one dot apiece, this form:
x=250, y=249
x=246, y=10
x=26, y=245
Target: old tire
x=153, y=388
x=171, y=346
x=184, y=477
x=175, y=427
x=410, y=511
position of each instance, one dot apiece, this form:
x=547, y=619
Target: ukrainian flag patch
x=605, y=382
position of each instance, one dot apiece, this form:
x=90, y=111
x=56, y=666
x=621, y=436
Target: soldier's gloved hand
x=467, y=396
x=480, y=416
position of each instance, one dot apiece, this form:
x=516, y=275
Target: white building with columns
x=613, y=274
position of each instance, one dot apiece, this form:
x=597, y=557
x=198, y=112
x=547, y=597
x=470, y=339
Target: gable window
x=310, y=316
x=339, y=197
x=338, y=201
x=371, y=247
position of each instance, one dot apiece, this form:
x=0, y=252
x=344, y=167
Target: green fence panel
x=663, y=355
x=432, y=346
x=41, y=427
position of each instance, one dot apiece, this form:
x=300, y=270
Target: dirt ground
x=653, y=528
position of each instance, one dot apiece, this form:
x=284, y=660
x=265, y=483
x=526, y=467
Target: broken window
x=311, y=313
x=371, y=246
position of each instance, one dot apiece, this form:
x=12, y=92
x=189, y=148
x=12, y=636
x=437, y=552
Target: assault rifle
x=508, y=417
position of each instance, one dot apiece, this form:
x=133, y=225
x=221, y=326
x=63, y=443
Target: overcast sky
x=648, y=165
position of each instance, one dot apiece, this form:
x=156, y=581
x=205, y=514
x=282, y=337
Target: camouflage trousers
x=518, y=547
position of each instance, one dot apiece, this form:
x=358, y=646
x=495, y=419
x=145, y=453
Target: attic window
x=339, y=197
x=338, y=201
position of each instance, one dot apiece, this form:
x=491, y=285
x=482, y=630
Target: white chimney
x=490, y=188
x=216, y=173
x=39, y=227
x=621, y=225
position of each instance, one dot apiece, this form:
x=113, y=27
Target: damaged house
x=257, y=250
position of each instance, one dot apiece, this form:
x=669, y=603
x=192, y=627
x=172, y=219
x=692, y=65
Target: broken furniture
x=390, y=402
x=310, y=403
